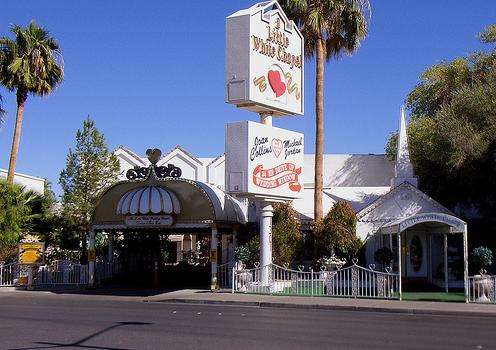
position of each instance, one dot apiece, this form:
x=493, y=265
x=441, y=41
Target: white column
x=399, y=262
x=234, y=244
x=429, y=256
x=213, y=259
x=110, y=250
x=446, y=277
x=266, y=118
x=91, y=258
x=224, y=249
x=266, y=214
x=465, y=263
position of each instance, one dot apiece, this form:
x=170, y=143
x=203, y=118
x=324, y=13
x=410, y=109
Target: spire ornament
x=403, y=169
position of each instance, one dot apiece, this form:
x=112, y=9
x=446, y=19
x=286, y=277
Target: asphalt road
x=77, y=322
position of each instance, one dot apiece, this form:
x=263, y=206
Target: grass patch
x=434, y=296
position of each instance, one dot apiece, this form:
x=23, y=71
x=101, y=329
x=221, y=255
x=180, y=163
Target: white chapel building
x=384, y=194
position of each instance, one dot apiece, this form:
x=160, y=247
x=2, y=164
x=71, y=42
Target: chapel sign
x=264, y=61
x=263, y=160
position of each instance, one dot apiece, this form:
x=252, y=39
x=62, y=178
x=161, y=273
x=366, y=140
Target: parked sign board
x=263, y=160
x=264, y=61
x=31, y=252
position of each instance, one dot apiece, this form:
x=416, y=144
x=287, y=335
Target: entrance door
x=416, y=255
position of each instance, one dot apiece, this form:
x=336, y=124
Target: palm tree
x=330, y=28
x=2, y=111
x=31, y=63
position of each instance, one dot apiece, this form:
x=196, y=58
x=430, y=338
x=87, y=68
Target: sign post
x=30, y=256
x=264, y=74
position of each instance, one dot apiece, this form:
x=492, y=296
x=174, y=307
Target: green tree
x=336, y=233
x=90, y=169
x=286, y=235
x=330, y=28
x=452, y=133
x=49, y=224
x=488, y=35
x=15, y=216
x=31, y=63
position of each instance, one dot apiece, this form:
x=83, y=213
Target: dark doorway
x=149, y=259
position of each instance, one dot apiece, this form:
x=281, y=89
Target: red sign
x=285, y=173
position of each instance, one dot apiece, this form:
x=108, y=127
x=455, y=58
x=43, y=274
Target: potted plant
x=482, y=258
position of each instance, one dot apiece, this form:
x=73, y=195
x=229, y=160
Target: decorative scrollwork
x=141, y=173
x=137, y=173
x=301, y=267
x=167, y=171
x=388, y=269
x=354, y=261
x=372, y=267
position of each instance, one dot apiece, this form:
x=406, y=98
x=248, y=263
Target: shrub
x=336, y=232
x=242, y=253
x=383, y=256
x=482, y=257
x=287, y=241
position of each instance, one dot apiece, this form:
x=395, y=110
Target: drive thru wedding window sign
x=264, y=74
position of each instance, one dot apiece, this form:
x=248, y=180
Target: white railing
x=9, y=273
x=354, y=281
x=106, y=269
x=224, y=274
x=482, y=289
x=66, y=274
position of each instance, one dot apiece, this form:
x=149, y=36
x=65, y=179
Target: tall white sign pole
x=264, y=74
x=266, y=214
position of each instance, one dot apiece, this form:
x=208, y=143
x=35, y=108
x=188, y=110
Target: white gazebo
x=415, y=227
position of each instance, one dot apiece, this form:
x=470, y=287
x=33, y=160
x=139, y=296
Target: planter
x=482, y=288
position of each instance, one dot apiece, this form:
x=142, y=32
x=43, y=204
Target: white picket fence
x=482, y=289
x=224, y=274
x=61, y=273
x=9, y=273
x=353, y=282
x=105, y=270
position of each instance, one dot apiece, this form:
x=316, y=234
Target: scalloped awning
x=148, y=200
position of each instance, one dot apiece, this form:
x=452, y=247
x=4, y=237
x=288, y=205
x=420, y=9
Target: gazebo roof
x=192, y=204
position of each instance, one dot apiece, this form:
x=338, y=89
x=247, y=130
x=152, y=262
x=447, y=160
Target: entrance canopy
x=455, y=224
x=166, y=203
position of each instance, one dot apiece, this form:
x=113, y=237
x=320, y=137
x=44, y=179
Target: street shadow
x=112, y=290
x=79, y=343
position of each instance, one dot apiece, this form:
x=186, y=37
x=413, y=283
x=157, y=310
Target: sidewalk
x=326, y=303
x=194, y=296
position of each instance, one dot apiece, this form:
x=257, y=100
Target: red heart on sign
x=276, y=147
x=275, y=82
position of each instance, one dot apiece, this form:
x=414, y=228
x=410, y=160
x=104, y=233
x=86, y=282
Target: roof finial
x=153, y=155
x=403, y=170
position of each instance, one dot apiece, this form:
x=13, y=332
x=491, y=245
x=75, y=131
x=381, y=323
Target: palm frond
x=32, y=62
x=342, y=24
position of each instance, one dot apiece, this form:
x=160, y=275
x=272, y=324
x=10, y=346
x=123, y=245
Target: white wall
x=31, y=183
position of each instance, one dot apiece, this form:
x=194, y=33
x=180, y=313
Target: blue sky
x=151, y=73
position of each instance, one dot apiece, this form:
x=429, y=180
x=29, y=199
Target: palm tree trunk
x=21, y=99
x=319, y=130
